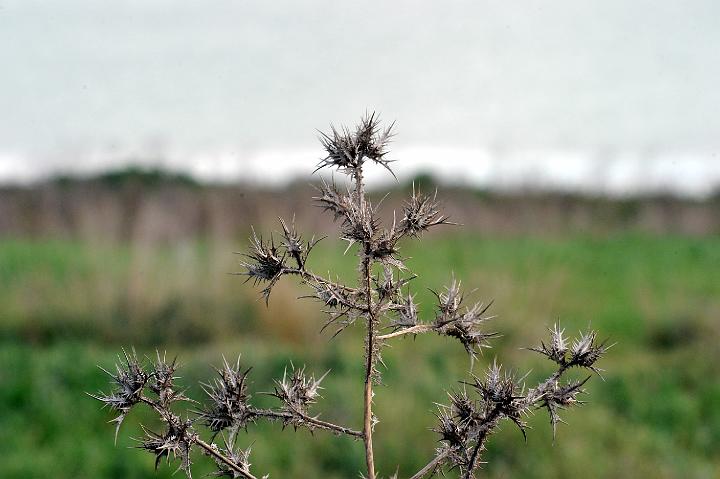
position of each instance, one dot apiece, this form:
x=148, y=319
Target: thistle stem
x=490, y=423
x=369, y=365
x=366, y=283
x=432, y=465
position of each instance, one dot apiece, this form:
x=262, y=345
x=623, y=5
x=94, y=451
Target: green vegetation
x=67, y=306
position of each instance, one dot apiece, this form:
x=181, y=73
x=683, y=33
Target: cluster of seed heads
x=385, y=306
x=465, y=424
x=226, y=411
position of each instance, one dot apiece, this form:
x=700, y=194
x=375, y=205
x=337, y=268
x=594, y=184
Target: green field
x=66, y=306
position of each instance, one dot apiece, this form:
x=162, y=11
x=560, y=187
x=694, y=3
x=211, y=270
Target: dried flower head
x=420, y=213
x=293, y=243
x=174, y=443
x=347, y=150
x=330, y=199
x=407, y=313
x=298, y=390
x=266, y=263
x=556, y=397
x=128, y=382
x=228, y=394
x=465, y=325
x=501, y=391
x=238, y=456
x=556, y=349
x=584, y=351
x=162, y=380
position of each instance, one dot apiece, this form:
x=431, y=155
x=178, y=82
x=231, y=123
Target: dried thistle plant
x=385, y=307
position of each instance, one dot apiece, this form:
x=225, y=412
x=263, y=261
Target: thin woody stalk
x=365, y=280
x=420, y=328
x=369, y=366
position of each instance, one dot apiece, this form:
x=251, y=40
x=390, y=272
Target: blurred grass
x=66, y=306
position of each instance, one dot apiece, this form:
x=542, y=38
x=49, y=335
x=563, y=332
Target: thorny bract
x=382, y=303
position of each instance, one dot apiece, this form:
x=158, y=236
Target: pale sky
x=217, y=86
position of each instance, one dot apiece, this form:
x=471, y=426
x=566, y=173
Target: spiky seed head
x=450, y=431
x=501, y=390
x=407, y=313
x=464, y=409
x=128, y=382
x=292, y=241
x=162, y=380
x=266, y=263
x=174, y=443
x=420, y=213
x=330, y=199
x=585, y=352
x=557, y=348
x=298, y=390
x=239, y=457
x=557, y=397
x=449, y=301
x=228, y=406
x=464, y=326
x=347, y=150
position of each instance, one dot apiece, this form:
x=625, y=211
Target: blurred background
x=577, y=142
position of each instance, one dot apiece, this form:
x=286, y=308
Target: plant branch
x=309, y=276
x=213, y=452
x=320, y=424
x=420, y=328
x=432, y=465
x=489, y=424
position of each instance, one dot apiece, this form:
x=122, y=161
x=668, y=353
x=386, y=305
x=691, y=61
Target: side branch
x=309, y=276
x=314, y=421
x=432, y=465
x=214, y=453
x=420, y=328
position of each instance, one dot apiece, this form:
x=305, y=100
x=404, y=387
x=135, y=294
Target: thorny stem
x=432, y=465
x=370, y=341
x=308, y=419
x=491, y=422
x=369, y=365
x=213, y=452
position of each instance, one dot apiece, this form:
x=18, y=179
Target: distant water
x=617, y=174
